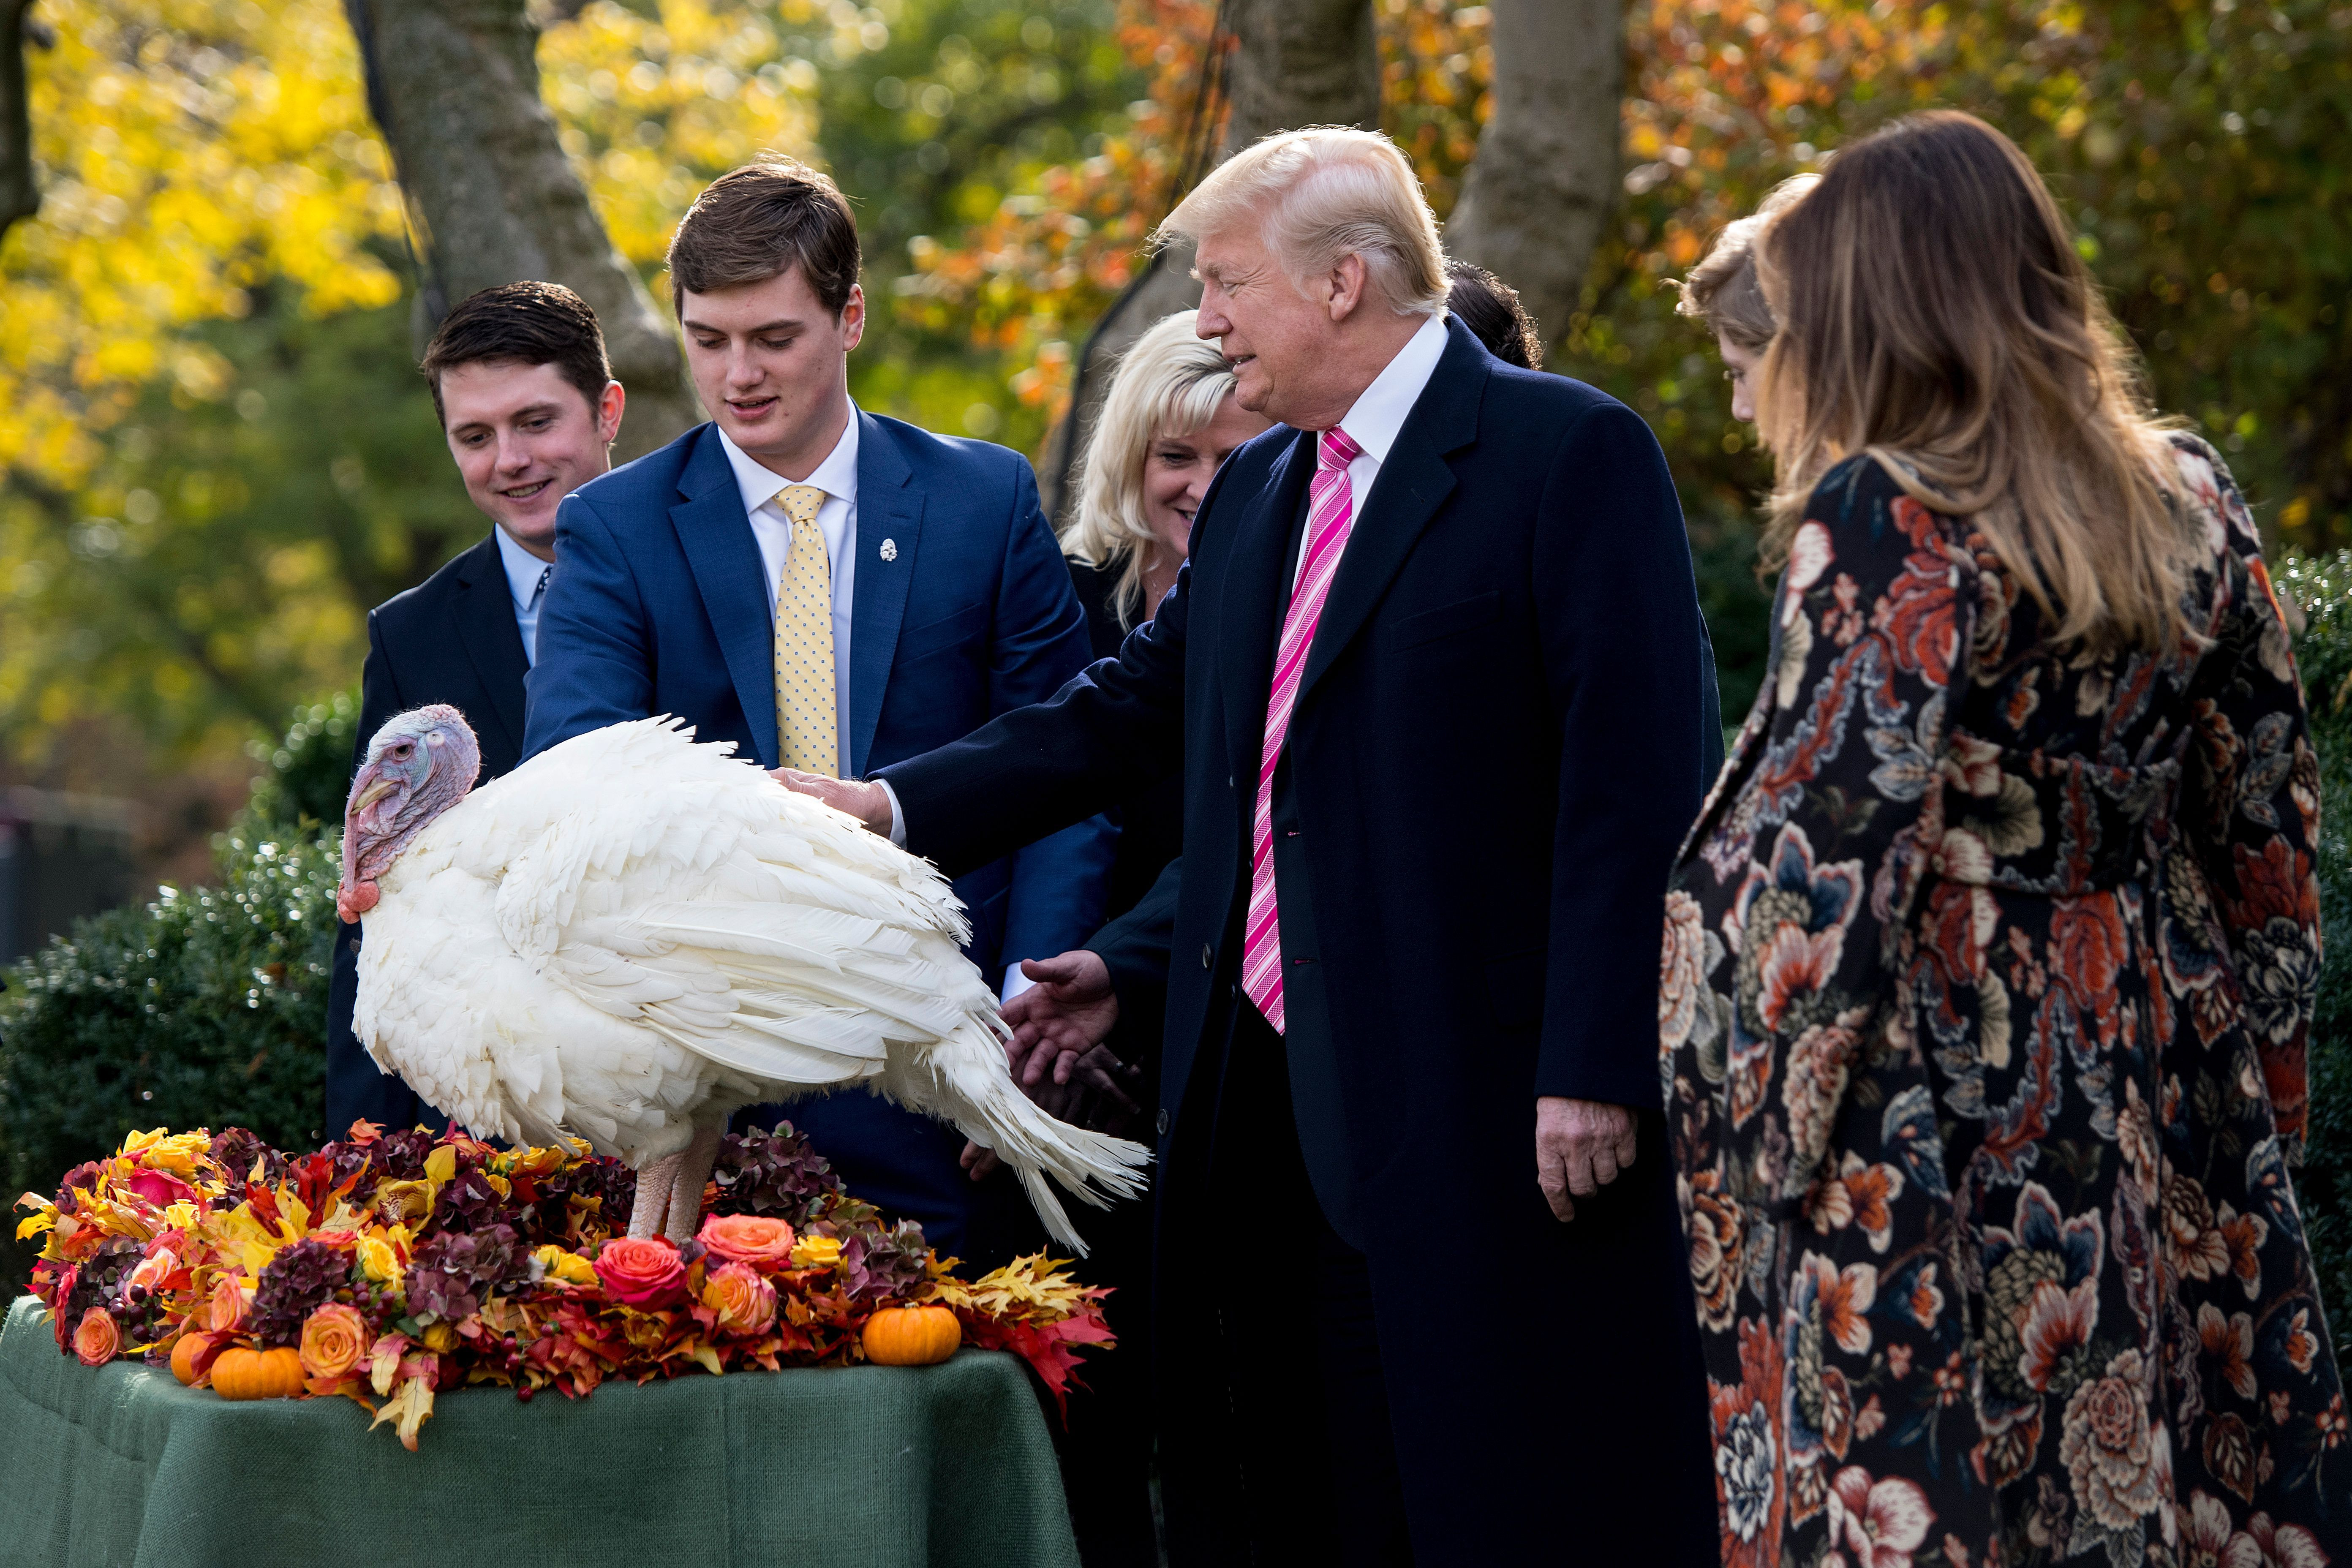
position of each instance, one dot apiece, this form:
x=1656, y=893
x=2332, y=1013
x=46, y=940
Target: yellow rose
x=568, y=1267
x=439, y=1337
x=816, y=1252
x=377, y=1259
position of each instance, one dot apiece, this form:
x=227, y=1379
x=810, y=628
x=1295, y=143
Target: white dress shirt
x=836, y=519
x=526, y=581
x=1379, y=413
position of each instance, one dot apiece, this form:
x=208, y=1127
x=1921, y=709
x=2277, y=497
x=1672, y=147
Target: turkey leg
x=652, y=1205
x=690, y=1174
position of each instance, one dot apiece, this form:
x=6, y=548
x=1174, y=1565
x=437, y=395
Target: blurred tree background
x=216, y=452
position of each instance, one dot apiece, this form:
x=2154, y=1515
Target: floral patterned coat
x=1986, y=977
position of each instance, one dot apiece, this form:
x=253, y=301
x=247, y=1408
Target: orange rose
x=763, y=1243
x=227, y=1303
x=334, y=1338
x=97, y=1339
x=745, y=1303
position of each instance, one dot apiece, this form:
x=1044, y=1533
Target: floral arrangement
x=392, y=1265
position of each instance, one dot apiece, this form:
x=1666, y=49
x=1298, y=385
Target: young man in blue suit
x=832, y=592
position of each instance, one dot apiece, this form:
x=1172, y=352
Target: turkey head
x=420, y=764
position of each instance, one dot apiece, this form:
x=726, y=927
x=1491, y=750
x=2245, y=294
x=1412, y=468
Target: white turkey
x=631, y=936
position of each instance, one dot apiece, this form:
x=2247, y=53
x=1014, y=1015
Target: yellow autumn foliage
x=187, y=150
x=190, y=150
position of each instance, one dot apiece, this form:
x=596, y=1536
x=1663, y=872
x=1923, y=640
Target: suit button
x=1205, y=955
x=1163, y=1121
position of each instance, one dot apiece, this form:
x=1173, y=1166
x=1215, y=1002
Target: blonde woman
x=1990, y=963
x=1168, y=423
x=1723, y=292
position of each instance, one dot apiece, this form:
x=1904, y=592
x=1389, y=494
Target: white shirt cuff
x=1015, y=982
x=898, y=820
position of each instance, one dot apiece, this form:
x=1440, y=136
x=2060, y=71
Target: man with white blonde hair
x=1432, y=678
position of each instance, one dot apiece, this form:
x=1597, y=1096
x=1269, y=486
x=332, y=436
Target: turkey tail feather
x=969, y=1085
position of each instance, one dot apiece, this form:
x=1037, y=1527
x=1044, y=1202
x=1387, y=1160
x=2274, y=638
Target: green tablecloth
x=859, y=1466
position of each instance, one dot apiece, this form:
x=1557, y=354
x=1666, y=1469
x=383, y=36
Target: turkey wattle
x=630, y=937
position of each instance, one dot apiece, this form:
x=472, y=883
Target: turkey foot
x=689, y=1176
x=652, y=1205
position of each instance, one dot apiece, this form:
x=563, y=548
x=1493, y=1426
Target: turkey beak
x=368, y=795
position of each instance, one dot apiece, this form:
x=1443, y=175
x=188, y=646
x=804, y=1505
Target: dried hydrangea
x=774, y=1173
x=299, y=1280
x=453, y=1271
x=237, y=1150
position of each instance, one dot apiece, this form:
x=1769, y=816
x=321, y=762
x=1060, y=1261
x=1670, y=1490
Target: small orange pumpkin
x=912, y=1336
x=243, y=1374
x=192, y=1356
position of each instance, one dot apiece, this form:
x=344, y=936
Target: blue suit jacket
x=657, y=606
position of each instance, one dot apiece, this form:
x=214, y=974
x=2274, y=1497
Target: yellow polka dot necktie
x=807, y=737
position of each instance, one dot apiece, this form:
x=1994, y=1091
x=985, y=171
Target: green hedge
x=2322, y=587
x=206, y=1008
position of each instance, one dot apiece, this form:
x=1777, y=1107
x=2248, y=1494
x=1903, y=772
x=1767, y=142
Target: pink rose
x=765, y=1244
x=97, y=1340
x=155, y=1268
x=641, y=1272
x=743, y=1303
x=161, y=1188
x=227, y=1303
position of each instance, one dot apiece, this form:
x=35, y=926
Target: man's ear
x=1346, y=283
x=853, y=316
x=608, y=412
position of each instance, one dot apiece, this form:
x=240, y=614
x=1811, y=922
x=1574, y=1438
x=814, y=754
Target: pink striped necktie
x=1328, y=519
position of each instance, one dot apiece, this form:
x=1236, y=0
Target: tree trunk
x=1299, y=63
x=1295, y=63
x=454, y=85
x=1545, y=174
x=20, y=195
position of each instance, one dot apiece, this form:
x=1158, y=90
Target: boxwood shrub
x=206, y=1006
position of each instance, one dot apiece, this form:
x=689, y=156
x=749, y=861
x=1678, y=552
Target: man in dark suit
x=827, y=589
x=1432, y=677
x=531, y=409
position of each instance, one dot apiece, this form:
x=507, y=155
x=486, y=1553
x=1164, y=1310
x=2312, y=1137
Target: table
x=825, y=1467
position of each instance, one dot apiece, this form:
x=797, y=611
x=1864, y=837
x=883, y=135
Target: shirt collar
x=522, y=567
x=1380, y=413
x=836, y=475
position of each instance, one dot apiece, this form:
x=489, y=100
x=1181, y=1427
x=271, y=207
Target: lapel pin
x=889, y=550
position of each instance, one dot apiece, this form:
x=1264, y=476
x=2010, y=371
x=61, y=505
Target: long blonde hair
x=1934, y=315
x=1170, y=384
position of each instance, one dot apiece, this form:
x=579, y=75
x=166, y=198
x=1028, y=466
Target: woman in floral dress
x=1989, y=966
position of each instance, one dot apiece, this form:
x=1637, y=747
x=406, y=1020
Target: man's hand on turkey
x=855, y=799
x=630, y=937
x=1580, y=1146
x=1056, y=1052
